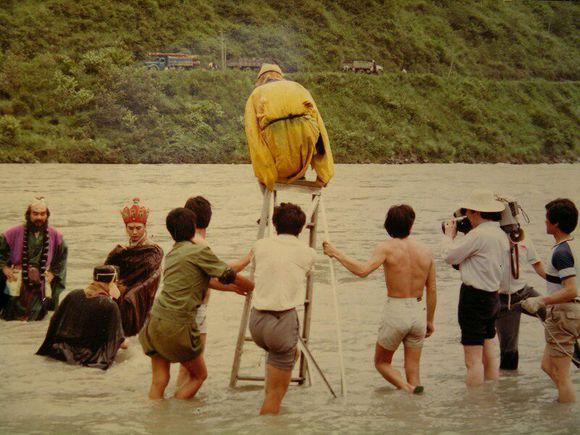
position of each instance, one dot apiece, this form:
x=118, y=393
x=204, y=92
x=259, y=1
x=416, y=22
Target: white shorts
x=200, y=319
x=403, y=320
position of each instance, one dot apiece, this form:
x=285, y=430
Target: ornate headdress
x=135, y=212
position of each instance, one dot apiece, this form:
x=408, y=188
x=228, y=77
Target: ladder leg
x=304, y=371
x=264, y=220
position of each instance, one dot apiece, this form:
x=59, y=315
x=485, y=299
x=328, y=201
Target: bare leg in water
x=383, y=361
x=277, y=382
x=183, y=375
x=160, y=377
x=197, y=375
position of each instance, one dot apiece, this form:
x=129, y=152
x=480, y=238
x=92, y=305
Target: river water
x=39, y=395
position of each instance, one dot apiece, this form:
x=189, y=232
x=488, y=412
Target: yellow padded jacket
x=283, y=127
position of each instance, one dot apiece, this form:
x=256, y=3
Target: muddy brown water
x=40, y=395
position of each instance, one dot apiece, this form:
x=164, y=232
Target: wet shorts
x=563, y=328
x=277, y=333
x=477, y=312
x=403, y=320
x=200, y=318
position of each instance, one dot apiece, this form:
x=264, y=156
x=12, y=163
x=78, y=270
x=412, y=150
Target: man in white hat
x=33, y=261
x=483, y=259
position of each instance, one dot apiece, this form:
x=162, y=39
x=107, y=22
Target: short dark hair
x=105, y=273
x=180, y=223
x=288, y=218
x=202, y=209
x=491, y=215
x=399, y=220
x=564, y=213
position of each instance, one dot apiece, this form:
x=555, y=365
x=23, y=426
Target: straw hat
x=483, y=200
x=269, y=67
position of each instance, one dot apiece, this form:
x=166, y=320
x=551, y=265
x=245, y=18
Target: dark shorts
x=277, y=333
x=477, y=312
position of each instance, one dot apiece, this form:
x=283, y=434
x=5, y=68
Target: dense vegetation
x=485, y=81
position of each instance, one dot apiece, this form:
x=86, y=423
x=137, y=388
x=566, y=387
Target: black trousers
x=508, y=325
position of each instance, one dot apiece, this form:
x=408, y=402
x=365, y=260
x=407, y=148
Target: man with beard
x=33, y=261
x=139, y=264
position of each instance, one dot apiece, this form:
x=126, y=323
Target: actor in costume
x=139, y=264
x=285, y=131
x=33, y=261
x=86, y=328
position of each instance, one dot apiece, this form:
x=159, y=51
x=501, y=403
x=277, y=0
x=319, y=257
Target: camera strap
x=515, y=268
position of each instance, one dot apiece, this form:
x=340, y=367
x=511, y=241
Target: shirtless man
x=409, y=268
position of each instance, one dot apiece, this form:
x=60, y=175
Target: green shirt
x=188, y=268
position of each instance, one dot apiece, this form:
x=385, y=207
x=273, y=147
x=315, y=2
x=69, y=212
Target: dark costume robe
x=139, y=277
x=85, y=331
x=45, y=251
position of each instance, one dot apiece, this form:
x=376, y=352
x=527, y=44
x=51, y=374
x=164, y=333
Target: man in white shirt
x=508, y=319
x=563, y=302
x=483, y=259
x=281, y=267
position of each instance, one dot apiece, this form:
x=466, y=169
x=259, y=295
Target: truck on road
x=362, y=66
x=161, y=61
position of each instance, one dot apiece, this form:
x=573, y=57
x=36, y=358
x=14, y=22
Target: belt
x=286, y=118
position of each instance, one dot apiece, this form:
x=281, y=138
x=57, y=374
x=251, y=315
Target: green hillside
x=485, y=80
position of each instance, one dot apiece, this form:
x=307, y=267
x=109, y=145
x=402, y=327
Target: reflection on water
x=41, y=394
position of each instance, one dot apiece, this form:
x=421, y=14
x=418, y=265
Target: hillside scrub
x=487, y=81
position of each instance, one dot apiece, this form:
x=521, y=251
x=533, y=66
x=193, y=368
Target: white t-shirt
x=282, y=263
x=527, y=255
x=482, y=255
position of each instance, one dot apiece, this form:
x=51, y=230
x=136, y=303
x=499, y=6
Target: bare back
x=407, y=266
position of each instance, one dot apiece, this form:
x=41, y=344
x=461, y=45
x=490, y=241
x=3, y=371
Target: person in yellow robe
x=285, y=131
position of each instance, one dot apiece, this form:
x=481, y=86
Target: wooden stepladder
x=265, y=226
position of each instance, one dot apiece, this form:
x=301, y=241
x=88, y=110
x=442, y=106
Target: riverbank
x=137, y=116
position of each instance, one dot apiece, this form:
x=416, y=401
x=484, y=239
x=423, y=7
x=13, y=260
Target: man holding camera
x=483, y=259
x=563, y=302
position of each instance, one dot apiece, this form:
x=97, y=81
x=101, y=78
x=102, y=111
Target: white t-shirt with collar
x=282, y=263
x=482, y=255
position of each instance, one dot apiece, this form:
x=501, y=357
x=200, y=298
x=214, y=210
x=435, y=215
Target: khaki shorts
x=403, y=320
x=277, y=333
x=200, y=318
x=562, y=328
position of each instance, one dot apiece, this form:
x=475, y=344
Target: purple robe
x=15, y=239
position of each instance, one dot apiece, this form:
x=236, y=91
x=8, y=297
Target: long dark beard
x=31, y=226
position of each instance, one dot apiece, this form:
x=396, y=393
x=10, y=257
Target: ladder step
x=298, y=379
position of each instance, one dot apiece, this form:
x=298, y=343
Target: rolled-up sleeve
x=457, y=250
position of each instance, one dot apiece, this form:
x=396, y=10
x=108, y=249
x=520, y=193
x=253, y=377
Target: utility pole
x=223, y=41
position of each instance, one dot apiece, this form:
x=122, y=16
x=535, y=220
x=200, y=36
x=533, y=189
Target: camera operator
x=483, y=259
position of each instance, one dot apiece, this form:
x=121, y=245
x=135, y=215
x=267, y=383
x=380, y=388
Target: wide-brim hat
x=482, y=200
x=269, y=67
